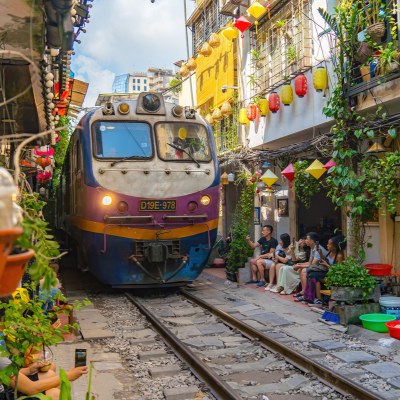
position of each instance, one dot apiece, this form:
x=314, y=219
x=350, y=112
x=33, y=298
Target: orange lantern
x=274, y=102
x=43, y=161
x=300, y=85
x=252, y=112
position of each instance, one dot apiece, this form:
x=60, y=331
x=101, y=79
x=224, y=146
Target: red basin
x=379, y=269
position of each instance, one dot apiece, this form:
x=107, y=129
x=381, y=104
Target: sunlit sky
x=128, y=36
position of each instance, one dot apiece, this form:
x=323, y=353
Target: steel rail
x=328, y=375
x=216, y=385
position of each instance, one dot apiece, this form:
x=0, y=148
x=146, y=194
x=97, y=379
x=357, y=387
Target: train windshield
x=182, y=141
x=120, y=139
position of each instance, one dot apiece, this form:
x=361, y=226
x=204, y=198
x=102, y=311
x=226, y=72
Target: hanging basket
x=376, y=31
x=363, y=53
x=7, y=238
x=13, y=271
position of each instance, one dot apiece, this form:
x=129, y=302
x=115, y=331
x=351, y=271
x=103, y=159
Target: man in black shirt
x=264, y=260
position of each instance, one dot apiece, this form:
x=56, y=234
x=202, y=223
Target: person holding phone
x=32, y=381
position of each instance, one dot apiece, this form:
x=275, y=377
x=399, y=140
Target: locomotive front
x=147, y=198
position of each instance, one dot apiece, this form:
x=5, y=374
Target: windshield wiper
x=184, y=151
x=122, y=159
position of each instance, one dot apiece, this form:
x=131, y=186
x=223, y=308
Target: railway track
x=222, y=350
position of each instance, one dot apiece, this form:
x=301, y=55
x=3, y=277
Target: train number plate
x=157, y=205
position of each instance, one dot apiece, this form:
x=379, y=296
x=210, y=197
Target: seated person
x=283, y=254
x=316, y=253
x=288, y=278
x=264, y=260
x=31, y=379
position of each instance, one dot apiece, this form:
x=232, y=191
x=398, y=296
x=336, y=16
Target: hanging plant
x=305, y=186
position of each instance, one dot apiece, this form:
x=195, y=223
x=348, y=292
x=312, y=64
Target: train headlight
x=192, y=206
x=205, y=200
x=122, y=207
x=151, y=102
x=107, y=200
x=123, y=108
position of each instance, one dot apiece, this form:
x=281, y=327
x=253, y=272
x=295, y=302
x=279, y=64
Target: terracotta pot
x=365, y=73
x=7, y=238
x=13, y=271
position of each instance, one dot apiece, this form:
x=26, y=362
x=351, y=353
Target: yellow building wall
x=212, y=73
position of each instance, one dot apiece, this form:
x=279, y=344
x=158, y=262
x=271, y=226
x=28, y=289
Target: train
x=139, y=193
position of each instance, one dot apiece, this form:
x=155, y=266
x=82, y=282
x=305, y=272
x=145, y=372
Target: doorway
x=321, y=217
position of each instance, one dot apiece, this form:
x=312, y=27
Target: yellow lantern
x=287, y=94
x=182, y=133
x=316, y=169
x=269, y=178
x=217, y=115
x=184, y=71
x=243, y=116
x=224, y=179
x=230, y=33
x=226, y=109
x=191, y=64
x=210, y=119
x=205, y=50
x=256, y=10
x=263, y=106
x=320, y=79
x=214, y=41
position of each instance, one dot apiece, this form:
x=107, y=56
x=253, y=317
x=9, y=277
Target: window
x=134, y=80
x=122, y=139
x=145, y=88
x=144, y=80
x=182, y=141
x=282, y=48
x=138, y=88
x=134, y=87
x=138, y=81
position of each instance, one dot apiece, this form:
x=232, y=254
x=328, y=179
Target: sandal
x=299, y=299
x=298, y=295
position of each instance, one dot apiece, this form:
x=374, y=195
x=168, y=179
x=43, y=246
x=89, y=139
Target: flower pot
x=13, y=271
x=365, y=73
x=7, y=238
x=376, y=31
x=350, y=295
x=231, y=276
x=363, y=52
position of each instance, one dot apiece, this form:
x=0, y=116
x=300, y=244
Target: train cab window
x=182, y=141
x=121, y=139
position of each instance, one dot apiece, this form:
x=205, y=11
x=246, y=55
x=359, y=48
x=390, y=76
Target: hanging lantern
x=44, y=151
x=231, y=177
x=274, y=102
x=242, y=24
x=210, y=119
x=230, y=33
x=226, y=109
x=243, y=116
x=316, y=169
x=191, y=64
x=214, y=41
x=43, y=161
x=217, y=115
x=320, y=79
x=300, y=85
x=263, y=106
x=224, y=178
x=287, y=94
x=330, y=164
x=256, y=10
x=205, y=50
x=269, y=178
x=288, y=172
x=252, y=112
x=184, y=71
x=44, y=176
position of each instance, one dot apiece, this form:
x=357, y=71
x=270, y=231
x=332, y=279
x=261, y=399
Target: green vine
x=305, y=186
x=239, y=250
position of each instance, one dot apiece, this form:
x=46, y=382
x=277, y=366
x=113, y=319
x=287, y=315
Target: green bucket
x=376, y=322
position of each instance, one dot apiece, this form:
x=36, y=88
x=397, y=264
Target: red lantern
x=252, y=112
x=43, y=161
x=44, y=176
x=288, y=172
x=274, y=102
x=242, y=24
x=49, y=151
x=300, y=85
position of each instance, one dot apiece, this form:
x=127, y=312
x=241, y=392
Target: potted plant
x=387, y=59
x=291, y=55
x=257, y=59
x=365, y=71
x=363, y=53
x=350, y=282
x=375, y=14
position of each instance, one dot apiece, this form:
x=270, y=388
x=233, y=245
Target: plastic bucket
x=390, y=306
x=394, y=329
x=376, y=322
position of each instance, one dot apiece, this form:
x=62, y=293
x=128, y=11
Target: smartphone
x=80, y=357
